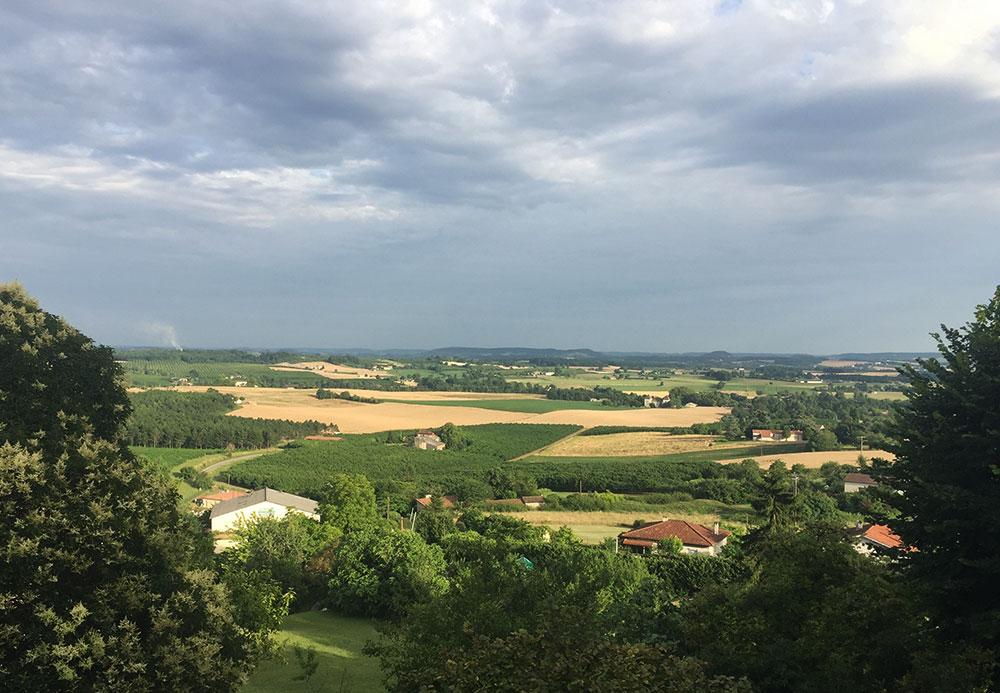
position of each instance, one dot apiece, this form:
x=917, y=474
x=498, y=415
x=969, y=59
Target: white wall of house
x=854, y=487
x=226, y=522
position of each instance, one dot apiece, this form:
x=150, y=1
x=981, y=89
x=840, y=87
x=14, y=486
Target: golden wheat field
x=628, y=445
x=354, y=417
x=814, y=460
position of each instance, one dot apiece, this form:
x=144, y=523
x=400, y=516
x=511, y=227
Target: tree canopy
x=948, y=480
x=99, y=579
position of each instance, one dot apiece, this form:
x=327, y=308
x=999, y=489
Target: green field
x=652, y=384
x=169, y=459
x=338, y=641
x=528, y=406
x=151, y=373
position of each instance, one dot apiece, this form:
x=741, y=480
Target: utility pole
x=387, y=506
x=795, y=483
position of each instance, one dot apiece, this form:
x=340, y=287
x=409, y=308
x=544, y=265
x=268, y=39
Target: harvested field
x=354, y=417
x=814, y=460
x=633, y=417
x=327, y=370
x=630, y=444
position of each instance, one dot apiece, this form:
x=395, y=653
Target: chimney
x=427, y=495
x=715, y=529
x=664, y=519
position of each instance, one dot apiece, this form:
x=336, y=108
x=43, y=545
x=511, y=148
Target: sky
x=813, y=176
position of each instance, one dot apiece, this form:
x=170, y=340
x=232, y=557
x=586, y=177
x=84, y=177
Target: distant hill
x=518, y=354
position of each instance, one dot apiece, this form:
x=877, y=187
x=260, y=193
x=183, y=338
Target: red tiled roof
x=446, y=501
x=323, y=438
x=690, y=533
x=883, y=536
x=858, y=478
x=223, y=495
x=515, y=501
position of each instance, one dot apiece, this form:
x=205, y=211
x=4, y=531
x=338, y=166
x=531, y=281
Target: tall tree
x=348, y=502
x=948, y=479
x=98, y=586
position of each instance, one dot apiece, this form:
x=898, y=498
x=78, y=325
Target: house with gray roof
x=265, y=502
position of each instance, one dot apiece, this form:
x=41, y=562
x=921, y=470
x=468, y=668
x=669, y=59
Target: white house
x=855, y=481
x=263, y=503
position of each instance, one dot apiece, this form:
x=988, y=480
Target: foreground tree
x=97, y=586
x=949, y=482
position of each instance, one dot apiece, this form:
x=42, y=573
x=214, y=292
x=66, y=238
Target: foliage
x=948, y=480
x=609, y=396
x=55, y=384
x=794, y=625
x=323, y=393
x=381, y=572
x=563, y=652
x=348, y=502
x=453, y=437
x=286, y=551
x=99, y=586
x=197, y=420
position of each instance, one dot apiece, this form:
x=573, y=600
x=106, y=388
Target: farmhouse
x=428, y=440
x=855, y=481
x=425, y=502
x=263, y=503
x=695, y=538
x=213, y=499
x=655, y=402
x=768, y=434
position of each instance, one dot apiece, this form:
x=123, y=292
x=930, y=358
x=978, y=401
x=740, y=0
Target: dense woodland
x=197, y=420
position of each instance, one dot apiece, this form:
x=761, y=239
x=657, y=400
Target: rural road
x=231, y=460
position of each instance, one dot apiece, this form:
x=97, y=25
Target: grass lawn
x=169, y=459
x=528, y=406
x=889, y=395
x=338, y=641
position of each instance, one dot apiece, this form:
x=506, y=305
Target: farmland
x=162, y=372
x=631, y=444
x=304, y=469
x=536, y=405
x=423, y=409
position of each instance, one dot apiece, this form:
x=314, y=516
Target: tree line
x=197, y=420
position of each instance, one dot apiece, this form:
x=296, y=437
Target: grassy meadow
x=337, y=641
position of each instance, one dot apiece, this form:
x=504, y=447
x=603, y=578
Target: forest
x=197, y=420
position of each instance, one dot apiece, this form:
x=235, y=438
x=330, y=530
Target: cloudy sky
x=766, y=175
